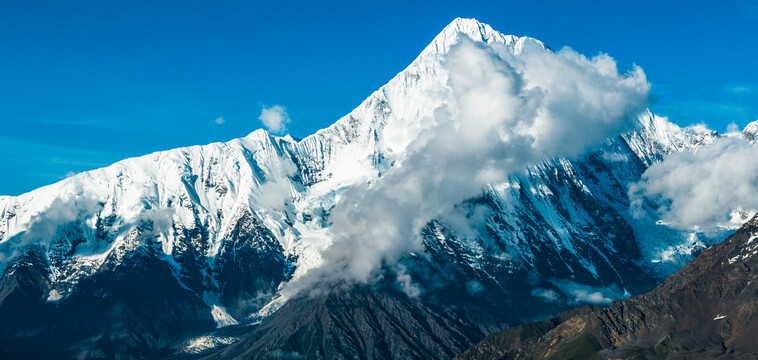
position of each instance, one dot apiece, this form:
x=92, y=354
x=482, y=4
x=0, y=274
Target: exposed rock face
x=114, y=314
x=708, y=309
x=364, y=323
x=142, y=257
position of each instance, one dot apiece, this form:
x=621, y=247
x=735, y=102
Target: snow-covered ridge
x=751, y=131
x=391, y=117
x=208, y=186
x=397, y=103
x=289, y=186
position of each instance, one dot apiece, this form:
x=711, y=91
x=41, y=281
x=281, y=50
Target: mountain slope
x=708, y=309
x=211, y=232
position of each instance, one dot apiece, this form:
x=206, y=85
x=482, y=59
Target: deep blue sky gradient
x=86, y=83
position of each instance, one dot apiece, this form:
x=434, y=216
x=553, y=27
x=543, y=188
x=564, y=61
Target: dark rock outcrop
x=708, y=309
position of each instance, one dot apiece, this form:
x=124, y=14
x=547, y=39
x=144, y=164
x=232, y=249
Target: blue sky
x=86, y=83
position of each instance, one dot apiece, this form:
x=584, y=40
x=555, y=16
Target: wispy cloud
x=274, y=118
x=501, y=113
x=45, y=224
x=704, y=188
x=219, y=120
x=584, y=294
x=740, y=88
x=546, y=294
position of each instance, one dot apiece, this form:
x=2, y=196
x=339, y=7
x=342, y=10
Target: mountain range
x=187, y=253
x=705, y=310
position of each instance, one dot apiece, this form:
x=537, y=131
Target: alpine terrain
x=708, y=309
x=190, y=252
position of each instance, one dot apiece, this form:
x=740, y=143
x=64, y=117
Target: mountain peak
x=258, y=134
x=752, y=223
x=472, y=28
x=469, y=26
x=478, y=32
x=751, y=131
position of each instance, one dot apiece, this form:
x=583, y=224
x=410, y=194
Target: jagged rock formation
x=708, y=309
x=149, y=256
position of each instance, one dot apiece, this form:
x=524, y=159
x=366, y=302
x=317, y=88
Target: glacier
x=231, y=222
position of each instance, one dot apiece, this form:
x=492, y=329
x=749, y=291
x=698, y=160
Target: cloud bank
x=585, y=294
x=44, y=226
x=502, y=113
x=274, y=118
x=715, y=185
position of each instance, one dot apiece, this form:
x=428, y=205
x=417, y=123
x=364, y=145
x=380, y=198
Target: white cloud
x=586, y=294
x=274, y=118
x=704, y=188
x=615, y=157
x=741, y=88
x=277, y=190
x=44, y=226
x=591, y=297
x=502, y=112
x=474, y=287
x=546, y=294
x=285, y=355
x=410, y=288
x=732, y=128
x=219, y=120
x=274, y=194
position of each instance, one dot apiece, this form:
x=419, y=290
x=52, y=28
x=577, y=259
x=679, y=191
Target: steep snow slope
x=227, y=220
x=552, y=237
x=208, y=186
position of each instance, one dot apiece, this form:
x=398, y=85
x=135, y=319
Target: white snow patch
x=220, y=316
x=202, y=343
x=614, y=157
x=54, y=296
x=719, y=317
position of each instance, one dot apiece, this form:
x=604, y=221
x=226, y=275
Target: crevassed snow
x=220, y=316
x=54, y=296
x=209, y=185
x=203, y=343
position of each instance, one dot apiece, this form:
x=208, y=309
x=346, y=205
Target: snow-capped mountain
x=141, y=256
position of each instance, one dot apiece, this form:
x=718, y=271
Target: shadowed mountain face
x=364, y=322
x=708, y=309
x=173, y=253
x=458, y=307
x=133, y=307
x=120, y=322
x=383, y=322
